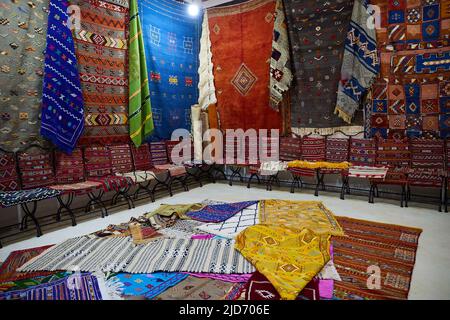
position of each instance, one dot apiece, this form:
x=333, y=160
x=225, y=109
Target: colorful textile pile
x=392, y=248
x=62, y=101
x=23, y=29
x=179, y=209
x=140, y=112
x=85, y=288
x=171, y=41
x=21, y=284
x=240, y=54
x=219, y=212
x=148, y=285
x=412, y=93
x=289, y=258
x=280, y=63
x=312, y=215
x=101, y=50
x=317, y=32
x=318, y=164
x=361, y=63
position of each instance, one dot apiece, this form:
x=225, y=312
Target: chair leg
x=371, y=192
x=66, y=205
x=344, y=187
x=97, y=199
x=250, y=180
x=319, y=178
x=31, y=213
x=403, y=196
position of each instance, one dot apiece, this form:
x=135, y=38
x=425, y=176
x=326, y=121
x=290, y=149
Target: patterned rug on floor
x=392, y=248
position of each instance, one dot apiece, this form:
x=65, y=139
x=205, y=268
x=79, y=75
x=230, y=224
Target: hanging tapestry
x=101, y=50
x=23, y=28
x=299, y=214
x=280, y=63
x=206, y=88
x=197, y=289
x=410, y=98
x=148, y=285
x=241, y=54
x=289, y=258
x=84, y=287
x=140, y=112
x=62, y=100
x=360, y=64
x=317, y=31
x=172, y=41
x=392, y=248
x=219, y=212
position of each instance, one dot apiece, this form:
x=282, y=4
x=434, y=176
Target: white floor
x=431, y=277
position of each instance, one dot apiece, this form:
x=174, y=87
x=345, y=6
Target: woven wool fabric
x=290, y=148
x=62, y=100
x=101, y=50
x=362, y=151
x=367, y=172
x=86, y=288
x=13, y=198
x=121, y=158
x=8, y=172
x=36, y=169
x=21, y=284
x=280, y=64
x=317, y=32
x=179, y=209
x=148, y=285
x=23, y=29
x=140, y=112
x=219, y=212
x=241, y=52
x=318, y=164
x=194, y=288
x=97, y=161
x=69, y=168
x=393, y=153
x=288, y=257
x=312, y=149
x=141, y=157
x=360, y=64
x=158, y=152
x=8, y=269
x=119, y=254
x=171, y=39
x=184, y=229
x=392, y=248
x=231, y=227
x=299, y=214
x=234, y=278
x=336, y=150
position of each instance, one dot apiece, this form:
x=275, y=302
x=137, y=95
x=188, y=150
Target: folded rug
x=219, y=212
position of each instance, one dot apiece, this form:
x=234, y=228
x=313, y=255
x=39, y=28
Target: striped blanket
x=121, y=255
x=367, y=172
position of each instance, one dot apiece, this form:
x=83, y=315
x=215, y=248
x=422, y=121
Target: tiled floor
x=431, y=278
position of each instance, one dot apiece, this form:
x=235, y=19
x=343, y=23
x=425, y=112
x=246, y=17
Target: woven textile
x=288, y=257
x=392, y=248
x=121, y=159
x=290, y=148
x=36, y=169
x=300, y=164
x=231, y=227
x=8, y=269
x=172, y=41
x=219, y=212
x=21, y=284
x=69, y=168
x=184, y=229
x=299, y=214
x=85, y=288
x=317, y=32
x=62, y=101
x=23, y=29
x=235, y=278
x=179, y=209
x=240, y=54
x=336, y=150
x=427, y=153
x=367, y=172
x=8, y=172
x=97, y=161
x=360, y=64
x=141, y=157
x=362, y=152
x=313, y=149
x=280, y=64
x=148, y=285
x=13, y=198
x=119, y=254
x=78, y=188
x=158, y=152
x=101, y=50
x=140, y=112
x=194, y=288
x=393, y=153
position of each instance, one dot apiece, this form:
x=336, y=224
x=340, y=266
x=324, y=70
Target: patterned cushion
x=69, y=168
x=121, y=160
x=302, y=172
x=158, y=153
x=337, y=150
x=36, y=169
x=8, y=173
x=173, y=169
x=114, y=183
x=393, y=153
x=425, y=177
x=139, y=176
x=313, y=149
x=290, y=148
x=78, y=188
x=427, y=153
x=97, y=161
x=363, y=152
x=12, y=198
x=141, y=157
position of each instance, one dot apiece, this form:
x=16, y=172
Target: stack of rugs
x=251, y=250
